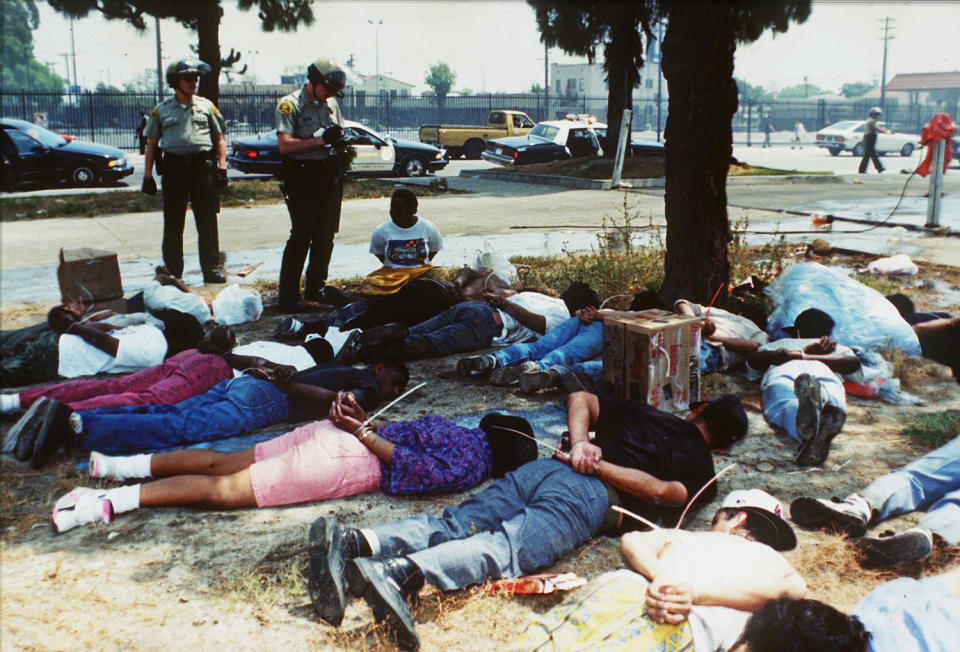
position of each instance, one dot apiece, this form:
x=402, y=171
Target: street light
x=376, y=40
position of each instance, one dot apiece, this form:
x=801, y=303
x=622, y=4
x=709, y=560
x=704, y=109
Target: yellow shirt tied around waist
x=185, y=129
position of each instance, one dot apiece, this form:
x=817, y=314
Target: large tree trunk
x=698, y=66
x=208, y=48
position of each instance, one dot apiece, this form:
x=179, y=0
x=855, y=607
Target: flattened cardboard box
x=654, y=356
x=91, y=276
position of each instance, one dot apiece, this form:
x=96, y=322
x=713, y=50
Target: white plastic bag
x=899, y=264
x=489, y=259
x=236, y=305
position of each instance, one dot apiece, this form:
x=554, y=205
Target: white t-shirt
x=406, y=247
x=795, y=344
x=140, y=347
x=554, y=311
x=295, y=356
x=731, y=326
x=157, y=296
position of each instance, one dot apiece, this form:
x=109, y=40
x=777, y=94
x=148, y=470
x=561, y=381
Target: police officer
x=190, y=130
x=870, y=131
x=311, y=140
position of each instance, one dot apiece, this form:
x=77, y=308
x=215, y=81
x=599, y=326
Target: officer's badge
x=285, y=107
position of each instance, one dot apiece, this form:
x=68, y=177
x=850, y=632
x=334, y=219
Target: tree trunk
x=208, y=48
x=698, y=66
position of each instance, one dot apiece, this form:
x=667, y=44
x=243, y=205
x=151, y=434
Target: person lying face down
x=326, y=459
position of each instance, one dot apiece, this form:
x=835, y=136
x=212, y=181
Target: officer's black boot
x=331, y=546
x=385, y=584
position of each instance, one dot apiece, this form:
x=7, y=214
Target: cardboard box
x=653, y=356
x=91, y=276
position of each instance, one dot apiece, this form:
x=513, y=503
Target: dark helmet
x=185, y=68
x=876, y=111
x=328, y=73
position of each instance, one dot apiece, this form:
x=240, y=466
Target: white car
x=847, y=135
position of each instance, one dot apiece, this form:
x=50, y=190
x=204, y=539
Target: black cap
x=508, y=449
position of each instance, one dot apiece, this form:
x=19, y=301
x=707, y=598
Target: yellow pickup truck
x=470, y=140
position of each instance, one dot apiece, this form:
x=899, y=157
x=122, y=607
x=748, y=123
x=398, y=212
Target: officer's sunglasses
x=191, y=78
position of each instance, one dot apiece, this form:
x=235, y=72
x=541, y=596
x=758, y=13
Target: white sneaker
x=81, y=506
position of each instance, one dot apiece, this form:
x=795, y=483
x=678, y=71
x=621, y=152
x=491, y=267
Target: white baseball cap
x=766, y=506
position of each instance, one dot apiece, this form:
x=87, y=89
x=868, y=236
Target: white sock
x=120, y=467
x=9, y=403
x=124, y=499
x=76, y=422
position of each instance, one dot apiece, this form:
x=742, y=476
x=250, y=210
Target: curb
x=538, y=179
x=761, y=180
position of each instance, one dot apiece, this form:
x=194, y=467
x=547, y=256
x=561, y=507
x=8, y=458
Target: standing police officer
x=311, y=139
x=190, y=130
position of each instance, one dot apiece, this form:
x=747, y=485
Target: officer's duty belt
x=309, y=163
x=189, y=158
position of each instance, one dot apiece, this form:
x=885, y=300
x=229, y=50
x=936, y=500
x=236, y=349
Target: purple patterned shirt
x=433, y=455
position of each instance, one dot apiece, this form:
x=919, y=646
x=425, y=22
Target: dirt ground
x=169, y=578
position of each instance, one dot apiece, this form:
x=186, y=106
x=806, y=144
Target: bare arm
x=769, y=577
x=289, y=144
x=735, y=344
x=96, y=335
x=583, y=410
x=643, y=485
x=149, y=156
x=220, y=146
x=529, y=319
x=642, y=551
x=316, y=398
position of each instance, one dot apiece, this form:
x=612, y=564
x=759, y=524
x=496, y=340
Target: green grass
x=934, y=429
x=753, y=171
x=881, y=284
x=249, y=192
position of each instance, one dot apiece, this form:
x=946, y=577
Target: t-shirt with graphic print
x=410, y=247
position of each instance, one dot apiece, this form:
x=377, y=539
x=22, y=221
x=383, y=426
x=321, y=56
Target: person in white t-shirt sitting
x=405, y=244
x=503, y=317
x=90, y=347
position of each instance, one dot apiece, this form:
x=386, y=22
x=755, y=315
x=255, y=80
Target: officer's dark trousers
x=870, y=153
x=189, y=178
x=314, y=190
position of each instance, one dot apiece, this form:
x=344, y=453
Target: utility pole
x=806, y=90
x=546, y=81
x=376, y=40
x=73, y=54
x=659, y=73
x=886, y=38
x=156, y=25
x=66, y=66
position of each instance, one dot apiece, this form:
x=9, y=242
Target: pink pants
x=179, y=377
x=317, y=461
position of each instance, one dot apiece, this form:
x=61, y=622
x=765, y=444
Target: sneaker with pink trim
x=81, y=506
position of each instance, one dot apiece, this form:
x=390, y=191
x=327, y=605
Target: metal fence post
x=23, y=104
x=93, y=134
x=749, y=120
x=936, y=185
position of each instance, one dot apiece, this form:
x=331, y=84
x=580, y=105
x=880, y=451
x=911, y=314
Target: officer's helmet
x=328, y=73
x=185, y=68
x=876, y=111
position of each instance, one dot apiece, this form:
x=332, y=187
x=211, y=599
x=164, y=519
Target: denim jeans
x=568, y=343
x=466, y=326
x=931, y=482
x=524, y=521
x=780, y=401
x=228, y=408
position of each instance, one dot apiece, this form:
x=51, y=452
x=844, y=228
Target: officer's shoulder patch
x=286, y=107
x=154, y=112
x=213, y=107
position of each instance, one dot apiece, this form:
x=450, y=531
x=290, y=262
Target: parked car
x=547, y=141
x=34, y=156
x=847, y=135
x=377, y=155
x=470, y=140
x=638, y=146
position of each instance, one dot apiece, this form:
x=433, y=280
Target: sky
x=495, y=46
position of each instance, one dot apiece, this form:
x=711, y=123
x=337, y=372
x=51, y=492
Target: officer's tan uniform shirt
x=185, y=129
x=301, y=117
x=870, y=126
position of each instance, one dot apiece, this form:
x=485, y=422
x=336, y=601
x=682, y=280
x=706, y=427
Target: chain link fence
x=112, y=118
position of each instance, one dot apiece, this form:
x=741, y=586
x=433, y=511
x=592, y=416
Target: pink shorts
x=317, y=461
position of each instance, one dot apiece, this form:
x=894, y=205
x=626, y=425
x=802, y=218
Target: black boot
x=386, y=584
x=331, y=546
x=54, y=433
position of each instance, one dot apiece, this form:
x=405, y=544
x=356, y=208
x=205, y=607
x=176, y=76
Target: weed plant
x=935, y=429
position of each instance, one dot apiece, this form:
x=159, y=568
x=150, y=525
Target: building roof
x=924, y=81
x=384, y=78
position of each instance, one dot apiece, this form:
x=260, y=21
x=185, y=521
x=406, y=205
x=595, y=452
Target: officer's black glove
x=221, y=179
x=334, y=137
x=149, y=186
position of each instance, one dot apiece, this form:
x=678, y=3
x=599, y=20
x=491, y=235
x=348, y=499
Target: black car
x=377, y=155
x=34, y=156
x=547, y=141
x=638, y=147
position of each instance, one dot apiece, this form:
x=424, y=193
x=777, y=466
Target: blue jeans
x=524, y=521
x=228, y=408
x=568, y=343
x=780, y=401
x=466, y=326
x=931, y=482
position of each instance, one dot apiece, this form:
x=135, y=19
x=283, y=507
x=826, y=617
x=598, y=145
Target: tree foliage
x=202, y=16
x=440, y=78
x=855, y=89
x=620, y=28
x=799, y=91
x=751, y=93
x=18, y=67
